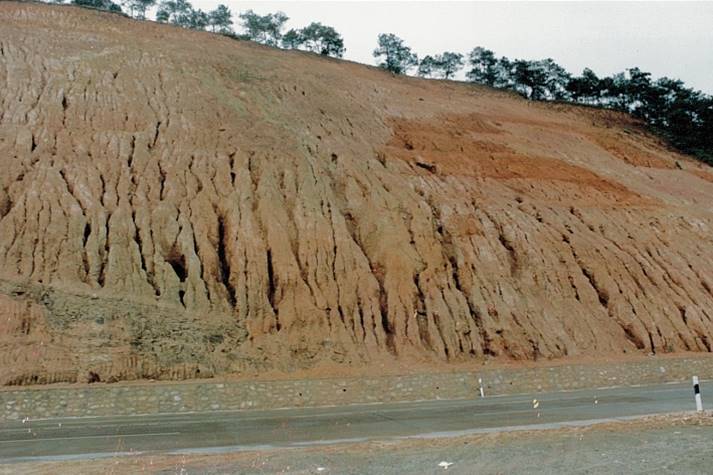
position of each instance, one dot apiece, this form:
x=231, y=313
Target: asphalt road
x=66, y=439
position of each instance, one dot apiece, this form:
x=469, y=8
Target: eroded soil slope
x=175, y=204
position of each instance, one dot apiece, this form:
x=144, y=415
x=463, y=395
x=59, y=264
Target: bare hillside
x=174, y=204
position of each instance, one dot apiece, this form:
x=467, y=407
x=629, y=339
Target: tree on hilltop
x=445, y=65
x=292, y=39
x=426, y=66
x=265, y=29
x=182, y=13
x=99, y=4
x=195, y=19
x=317, y=38
x=397, y=57
x=540, y=80
x=529, y=80
x=585, y=88
x=221, y=19
x=323, y=40
x=449, y=63
x=556, y=79
x=137, y=8
x=504, y=73
x=173, y=11
x=484, y=66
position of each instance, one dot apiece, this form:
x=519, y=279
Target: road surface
x=66, y=439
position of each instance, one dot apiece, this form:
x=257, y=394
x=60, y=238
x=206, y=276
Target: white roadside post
x=480, y=383
x=697, y=394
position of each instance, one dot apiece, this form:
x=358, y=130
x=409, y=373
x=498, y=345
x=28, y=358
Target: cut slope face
x=174, y=204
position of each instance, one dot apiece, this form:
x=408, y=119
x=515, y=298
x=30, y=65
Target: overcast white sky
x=672, y=39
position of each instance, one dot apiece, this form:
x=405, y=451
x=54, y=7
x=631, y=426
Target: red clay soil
x=175, y=204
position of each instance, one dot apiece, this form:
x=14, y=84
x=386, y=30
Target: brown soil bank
x=175, y=204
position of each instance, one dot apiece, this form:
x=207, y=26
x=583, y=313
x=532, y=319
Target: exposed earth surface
x=175, y=204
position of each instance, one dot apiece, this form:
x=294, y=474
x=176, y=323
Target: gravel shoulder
x=676, y=443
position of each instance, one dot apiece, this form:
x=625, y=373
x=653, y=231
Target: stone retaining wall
x=154, y=398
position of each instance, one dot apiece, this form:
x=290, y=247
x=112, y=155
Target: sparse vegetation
x=681, y=115
x=677, y=113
